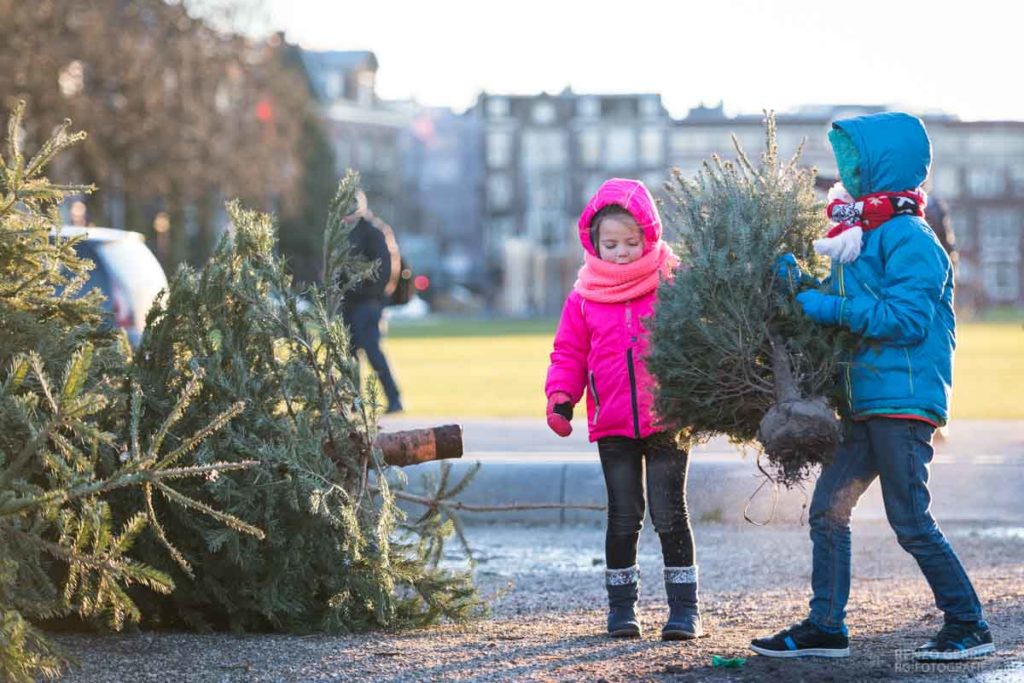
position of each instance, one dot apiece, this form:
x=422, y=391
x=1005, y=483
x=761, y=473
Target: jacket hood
x=893, y=148
x=633, y=196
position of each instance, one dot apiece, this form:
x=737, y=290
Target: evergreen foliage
x=70, y=431
x=338, y=555
x=728, y=341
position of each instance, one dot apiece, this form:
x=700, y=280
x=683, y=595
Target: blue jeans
x=897, y=452
x=363, y=320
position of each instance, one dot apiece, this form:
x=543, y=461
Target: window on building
x=588, y=108
x=1000, y=231
x=332, y=85
x=650, y=107
x=1002, y=281
x=365, y=161
x=620, y=147
x=544, y=112
x=589, y=140
x=365, y=87
x=499, y=149
x=497, y=107
x=689, y=141
x=499, y=191
x=946, y=181
x=1017, y=179
x=546, y=191
x=546, y=226
x=985, y=181
x=545, y=149
x=652, y=150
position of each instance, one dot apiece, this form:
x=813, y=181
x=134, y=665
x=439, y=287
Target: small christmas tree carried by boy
x=731, y=352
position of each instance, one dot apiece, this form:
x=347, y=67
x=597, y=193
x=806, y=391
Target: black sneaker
x=803, y=640
x=957, y=641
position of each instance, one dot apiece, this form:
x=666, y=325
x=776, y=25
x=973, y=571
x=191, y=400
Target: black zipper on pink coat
x=632, y=372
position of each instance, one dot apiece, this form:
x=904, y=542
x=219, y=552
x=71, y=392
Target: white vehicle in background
x=125, y=271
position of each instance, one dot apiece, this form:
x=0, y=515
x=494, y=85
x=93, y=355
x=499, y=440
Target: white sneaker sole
x=956, y=656
x=834, y=653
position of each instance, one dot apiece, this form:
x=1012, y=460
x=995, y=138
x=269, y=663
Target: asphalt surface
x=977, y=474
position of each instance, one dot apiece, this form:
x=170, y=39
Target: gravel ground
x=547, y=612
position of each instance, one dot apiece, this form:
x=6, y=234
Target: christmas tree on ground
x=730, y=349
x=70, y=432
x=339, y=556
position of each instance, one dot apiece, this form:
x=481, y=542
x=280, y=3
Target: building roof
x=340, y=59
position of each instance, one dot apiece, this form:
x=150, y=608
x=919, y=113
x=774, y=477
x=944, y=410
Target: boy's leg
x=839, y=487
x=904, y=452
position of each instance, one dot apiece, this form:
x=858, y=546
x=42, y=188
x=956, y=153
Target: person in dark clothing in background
x=364, y=304
x=937, y=216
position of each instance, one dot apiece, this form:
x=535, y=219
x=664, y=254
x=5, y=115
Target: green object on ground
x=728, y=662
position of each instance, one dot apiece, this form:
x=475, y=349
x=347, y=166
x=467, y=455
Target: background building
x=486, y=201
x=365, y=132
x=544, y=156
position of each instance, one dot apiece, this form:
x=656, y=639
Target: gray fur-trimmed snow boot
x=623, y=592
x=684, y=621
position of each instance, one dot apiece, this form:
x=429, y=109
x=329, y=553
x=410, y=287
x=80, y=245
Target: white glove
x=844, y=247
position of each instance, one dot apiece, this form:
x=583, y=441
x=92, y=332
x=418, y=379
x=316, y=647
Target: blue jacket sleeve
x=915, y=270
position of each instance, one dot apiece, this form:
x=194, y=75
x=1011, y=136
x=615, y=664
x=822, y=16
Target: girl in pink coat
x=600, y=346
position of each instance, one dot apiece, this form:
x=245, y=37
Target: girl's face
x=619, y=240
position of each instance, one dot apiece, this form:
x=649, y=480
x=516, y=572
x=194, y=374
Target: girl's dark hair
x=610, y=210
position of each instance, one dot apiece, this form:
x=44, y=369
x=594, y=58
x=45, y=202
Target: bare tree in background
x=180, y=115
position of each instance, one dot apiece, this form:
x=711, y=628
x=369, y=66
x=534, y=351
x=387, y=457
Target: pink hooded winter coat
x=602, y=346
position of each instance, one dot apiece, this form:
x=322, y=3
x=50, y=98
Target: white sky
x=961, y=57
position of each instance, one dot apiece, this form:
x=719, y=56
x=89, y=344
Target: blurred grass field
x=477, y=368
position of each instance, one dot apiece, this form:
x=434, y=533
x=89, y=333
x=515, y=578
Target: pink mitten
x=559, y=413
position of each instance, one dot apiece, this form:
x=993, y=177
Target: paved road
x=978, y=474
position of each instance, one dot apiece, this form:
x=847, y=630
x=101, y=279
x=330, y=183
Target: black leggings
x=622, y=460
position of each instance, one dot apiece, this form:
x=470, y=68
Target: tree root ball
x=797, y=435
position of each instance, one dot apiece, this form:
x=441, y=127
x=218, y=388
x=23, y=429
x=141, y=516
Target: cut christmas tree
x=70, y=432
x=339, y=556
x=730, y=349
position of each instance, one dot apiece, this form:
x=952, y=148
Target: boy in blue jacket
x=892, y=284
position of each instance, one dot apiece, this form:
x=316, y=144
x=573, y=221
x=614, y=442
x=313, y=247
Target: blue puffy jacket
x=898, y=294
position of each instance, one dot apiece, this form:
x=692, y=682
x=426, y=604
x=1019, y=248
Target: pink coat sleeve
x=568, y=369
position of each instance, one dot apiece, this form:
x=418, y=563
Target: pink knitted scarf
x=608, y=282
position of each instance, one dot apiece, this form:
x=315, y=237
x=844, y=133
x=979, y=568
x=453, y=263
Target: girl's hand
x=560, y=413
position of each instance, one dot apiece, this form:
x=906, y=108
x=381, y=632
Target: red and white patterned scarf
x=853, y=217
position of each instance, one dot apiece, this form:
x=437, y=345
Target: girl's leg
x=666, y=489
x=622, y=462
x=667, y=465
